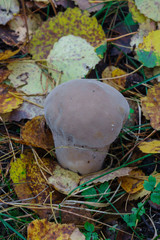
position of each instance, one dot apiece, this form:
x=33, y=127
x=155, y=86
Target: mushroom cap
x=85, y=112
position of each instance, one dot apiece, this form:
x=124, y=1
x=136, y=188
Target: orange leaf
x=35, y=133
x=132, y=183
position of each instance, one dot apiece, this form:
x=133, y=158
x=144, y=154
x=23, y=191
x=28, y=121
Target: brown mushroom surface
x=85, y=117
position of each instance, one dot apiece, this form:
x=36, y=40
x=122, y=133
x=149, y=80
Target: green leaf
x=130, y=219
x=101, y=50
x=149, y=59
x=150, y=184
x=155, y=197
x=89, y=227
x=90, y=191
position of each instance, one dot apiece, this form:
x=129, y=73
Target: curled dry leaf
x=36, y=133
x=151, y=106
x=9, y=99
x=4, y=73
x=132, y=183
x=8, y=54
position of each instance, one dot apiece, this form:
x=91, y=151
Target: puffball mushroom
x=85, y=117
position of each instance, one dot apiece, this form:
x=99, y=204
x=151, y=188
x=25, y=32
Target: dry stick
x=53, y=6
x=25, y=18
x=152, y=133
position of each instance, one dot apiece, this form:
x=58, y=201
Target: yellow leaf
x=44, y=230
x=132, y=183
x=152, y=146
x=8, y=54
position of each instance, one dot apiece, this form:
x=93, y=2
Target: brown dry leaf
x=77, y=235
x=8, y=99
x=8, y=54
x=111, y=71
x=36, y=134
x=132, y=183
x=64, y=180
x=30, y=182
x=151, y=106
x=4, y=73
x=113, y=173
x=152, y=146
x=44, y=230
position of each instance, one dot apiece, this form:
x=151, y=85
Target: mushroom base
x=81, y=160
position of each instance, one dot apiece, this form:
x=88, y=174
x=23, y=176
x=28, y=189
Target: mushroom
x=85, y=117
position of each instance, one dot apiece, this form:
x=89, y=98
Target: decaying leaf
x=151, y=106
x=71, y=58
x=4, y=73
x=42, y=229
x=64, y=180
x=36, y=134
x=111, y=72
x=29, y=78
x=112, y=174
x=132, y=183
x=9, y=99
x=7, y=10
x=30, y=184
x=8, y=54
x=143, y=31
x=150, y=8
x=149, y=51
x=18, y=25
x=72, y=21
x=152, y=146
x=90, y=6
x=136, y=15
x=31, y=107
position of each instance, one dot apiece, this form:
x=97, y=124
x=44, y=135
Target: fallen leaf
x=30, y=184
x=150, y=8
x=18, y=25
x=42, y=229
x=7, y=10
x=64, y=180
x=36, y=134
x=29, y=78
x=71, y=58
x=151, y=106
x=113, y=173
x=87, y=5
x=136, y=15
x=148, y=52
x=4, y=73
x=132, y=183
x=152, y=146
x=111, y=72
x=8, y=54
x=8, y=99
x=72, y=21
